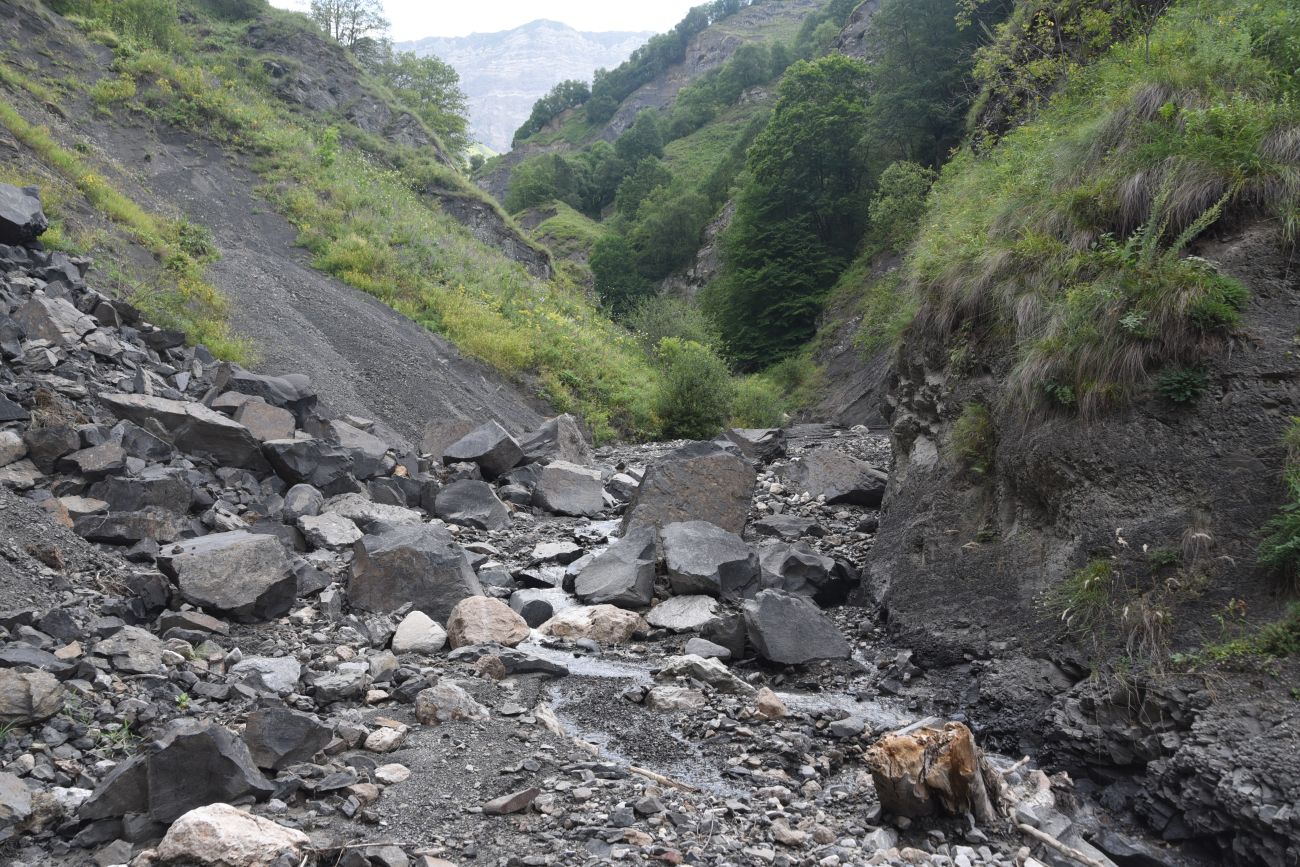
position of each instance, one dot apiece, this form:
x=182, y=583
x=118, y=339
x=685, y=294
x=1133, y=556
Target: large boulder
x=369, y=452
x=440, y=434
x=758, y=444
x=490, y=446
x=683, y=613
x=196, y=764
x=568, y=489
x=703, y=558
x=220, y=835
x=293, y=391
x=447, y=702
x=470, y=503
x=558, y=439
x=418, y=565
x=604, y=623
x=624, y=575
x=266, y=422
x=21, y=218
x=128, y=528
x=278, y=737
x=838, y=477
x=698, y=482
x=193, y=428
x=480, y=620
x=800, y=570
x=306, y=461
x=237, y=574
x=365, y=513
x=53, y=319
x=791, y=630
x=28, y=697
x=154, y=488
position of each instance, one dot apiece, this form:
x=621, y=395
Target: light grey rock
x=304, y=500
x=683, y=613
x=559, y=439
x=278, y=674
x=418, y=633
x=331, y=530
x=569, y=489
x=698, y=482
x=471, y=503
x=237, y=574
x=837, y=477
x=193, y=428
x=791, y=630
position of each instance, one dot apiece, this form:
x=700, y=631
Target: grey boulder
x=277, y=737
x=21, y=218
x=791, y=630
x=800, y=570
x=840, y=478
x=490, y=446
x=418, y=565
x=698, y=482
x=558, y=439
x=237, y=574
x=703, y=558
x=28, y=697
x=569, y=489
x=623, y=575
x=193, y=428
x=470, y=503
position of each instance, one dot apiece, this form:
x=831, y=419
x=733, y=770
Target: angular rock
x=838, y=477
x=48, y=443
x=558, y=439
x=703, y=558
x=20, y=475
x=447, y=702
x=569, y=489
x=516, y=802
x=490, y=446
x=789, y=528
x=10, y=411
x=758, y=444
x=277, y=674
x=314, y=462
x=28, y=697
x=930, y=771
x=302, y=501
x=193, y=428
x=330, y=530
x=131, y=650
x=21, y=218
x=292, y=392
x=683, y=613
x=419, y=565
x=236, y=574
x=607, y=624
x=624, y=575
x=480, y=620
x=791, y=630
x=368, y=451
x=438, y=435
x=106, y=459
x=418, y=633
x=53, y=319
x=768, y=705
x=155, y=488
x=365, y=513
x=471, y=504
x=707, y=649
x=220, y=835
x=675, y=698
x=128, y=528
x=710, y=672
x=278, y=737
x=12, y=447
x=15, y=803
x=698, y=482
x=266, y=422
x=800, y=570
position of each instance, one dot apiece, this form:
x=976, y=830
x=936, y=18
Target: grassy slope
x=369, y=224
x=1064, y=242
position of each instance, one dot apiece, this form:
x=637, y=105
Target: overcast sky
x=415, y=19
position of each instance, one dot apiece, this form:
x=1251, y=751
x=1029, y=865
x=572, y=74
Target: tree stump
x=924, y=771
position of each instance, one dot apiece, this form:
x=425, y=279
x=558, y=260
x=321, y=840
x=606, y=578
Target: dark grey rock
x=790, y=630
x=323, y=465
x=758, y=444
x=193, y=428
x=277, y=737
x=838, y=477
x=698, y=482
x=702, y=558
x=490, y=446
x=569, y=489
x=416, y=564
x=471, y=504
x=21, y=218
x=800, y=570
x=559, y=439
x=624, y=575
x=239, y=575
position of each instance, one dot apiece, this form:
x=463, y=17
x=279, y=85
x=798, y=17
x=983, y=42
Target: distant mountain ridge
x=504, y=73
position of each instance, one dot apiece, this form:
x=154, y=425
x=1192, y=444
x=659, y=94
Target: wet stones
x=624, y=575
x=791, y=630
x=698, y=482
x=418, y=565
x=703, y=558
x=236, y=574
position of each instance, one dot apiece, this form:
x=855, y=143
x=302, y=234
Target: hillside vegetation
x=368, y=209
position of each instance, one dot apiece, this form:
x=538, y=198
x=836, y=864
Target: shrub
x=1280, y=551
x=1084, y=600
x=1182, y=385
x=696, y=394
x=107, y=91
x=974, y=438
x=759, y=403
x=661, y=316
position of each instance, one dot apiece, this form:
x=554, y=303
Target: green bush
x=1182, y=385
x=696, y=393
x=759, y=403
x=974, y=438
x=1280, y=552
x=661, y=316
x=1085, y=599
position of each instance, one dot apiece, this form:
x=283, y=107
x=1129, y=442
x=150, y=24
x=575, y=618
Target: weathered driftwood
x=1067, y=851
x=928, y=770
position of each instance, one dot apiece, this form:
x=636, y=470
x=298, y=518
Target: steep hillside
x=709, y=49
x=1091, y=404
x=504, y=73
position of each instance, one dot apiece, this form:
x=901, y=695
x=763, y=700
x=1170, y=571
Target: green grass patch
x=569, y=233
x=974, y=438
x=1066, y=242
x=1280, y=551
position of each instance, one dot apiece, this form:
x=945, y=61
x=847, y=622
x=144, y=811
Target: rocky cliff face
x=504, y=73
x=967, y=564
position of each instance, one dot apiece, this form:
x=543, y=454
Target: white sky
x=416, y=19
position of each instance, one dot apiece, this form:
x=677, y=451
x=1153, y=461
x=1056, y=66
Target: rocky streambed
x=237, y=630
